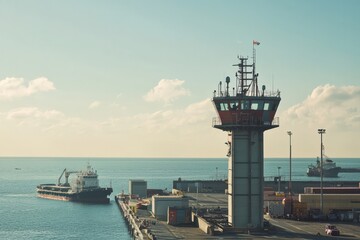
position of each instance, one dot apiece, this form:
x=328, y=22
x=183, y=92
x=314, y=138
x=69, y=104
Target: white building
x=160, y=205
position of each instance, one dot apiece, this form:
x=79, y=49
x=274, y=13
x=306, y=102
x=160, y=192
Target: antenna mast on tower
x=255, y=88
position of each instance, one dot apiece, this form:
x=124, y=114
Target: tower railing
x=232, y=93
x=246, y=121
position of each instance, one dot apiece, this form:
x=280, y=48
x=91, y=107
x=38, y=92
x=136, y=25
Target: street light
x=279, y=179
x=290, y=185
x=321, y=132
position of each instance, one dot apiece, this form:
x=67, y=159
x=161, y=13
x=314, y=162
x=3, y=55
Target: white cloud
x=32, y=112
x=329, y=105
x=50, y=120
x=35, y=117
x=200, y=111
x=196, y=113
x=175, y=129
x=334, y=108
x=15, y=87
x=167, y=91
x=94, y=104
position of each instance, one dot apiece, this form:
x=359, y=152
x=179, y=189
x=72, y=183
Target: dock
x=202, y=212
x=142, y=225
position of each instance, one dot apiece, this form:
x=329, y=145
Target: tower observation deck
x=245, y=112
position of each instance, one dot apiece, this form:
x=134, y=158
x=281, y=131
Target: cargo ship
x=84, y=188
x=329, y=169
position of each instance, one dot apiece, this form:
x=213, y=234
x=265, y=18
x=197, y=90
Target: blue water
x=24, y=216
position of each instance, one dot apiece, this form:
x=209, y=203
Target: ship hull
x=99, y=195
x=315, y=172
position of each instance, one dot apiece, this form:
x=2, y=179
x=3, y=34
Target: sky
x=135, y=78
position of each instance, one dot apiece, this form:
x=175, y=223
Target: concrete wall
x=298, y=186
x=138, y=187
x=203, y=225
x=220, y=185
x=211, y=186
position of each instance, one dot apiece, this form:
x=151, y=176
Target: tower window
x=266, y=106
x=245, y=105
x=224, y=106
x=254, y=106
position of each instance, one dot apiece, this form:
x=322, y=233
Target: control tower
x=245, y=112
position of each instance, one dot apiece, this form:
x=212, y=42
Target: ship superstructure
x=245, y=112
x=84, y=188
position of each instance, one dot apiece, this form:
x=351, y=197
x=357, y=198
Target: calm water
x=24, y=216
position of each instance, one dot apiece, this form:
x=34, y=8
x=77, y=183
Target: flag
x=256, y=42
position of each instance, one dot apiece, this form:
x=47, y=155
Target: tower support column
x=245, y=179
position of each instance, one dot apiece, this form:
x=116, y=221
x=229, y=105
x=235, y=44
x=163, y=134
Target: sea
x=25, y=216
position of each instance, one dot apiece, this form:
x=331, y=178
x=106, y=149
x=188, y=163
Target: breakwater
x=349, y=170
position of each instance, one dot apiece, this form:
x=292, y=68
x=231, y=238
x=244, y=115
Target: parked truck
x=276, y=209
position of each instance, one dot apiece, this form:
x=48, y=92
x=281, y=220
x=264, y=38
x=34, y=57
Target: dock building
x=138, y=187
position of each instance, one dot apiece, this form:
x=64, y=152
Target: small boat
x=329, y=168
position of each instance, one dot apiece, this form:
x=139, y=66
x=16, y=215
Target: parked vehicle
x=331, y=230
x=276, y=210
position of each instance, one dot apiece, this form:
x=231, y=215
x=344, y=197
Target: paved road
x=282, y=228
x=309, y=230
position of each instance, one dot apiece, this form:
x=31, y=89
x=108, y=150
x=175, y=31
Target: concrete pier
x=129, y=217
x=142, y=225
x=209, y=222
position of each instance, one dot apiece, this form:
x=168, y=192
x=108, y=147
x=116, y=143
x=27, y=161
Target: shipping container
x=300, y=211
x=171, y=216
x=178, y=216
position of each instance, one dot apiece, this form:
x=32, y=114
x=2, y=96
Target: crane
x=67, y=174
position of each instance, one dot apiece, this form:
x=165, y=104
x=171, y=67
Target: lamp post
x=290, y=186
x=279, y=179
x=321, y=132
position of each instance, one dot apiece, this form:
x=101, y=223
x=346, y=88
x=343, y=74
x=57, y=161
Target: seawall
x=220, y=186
